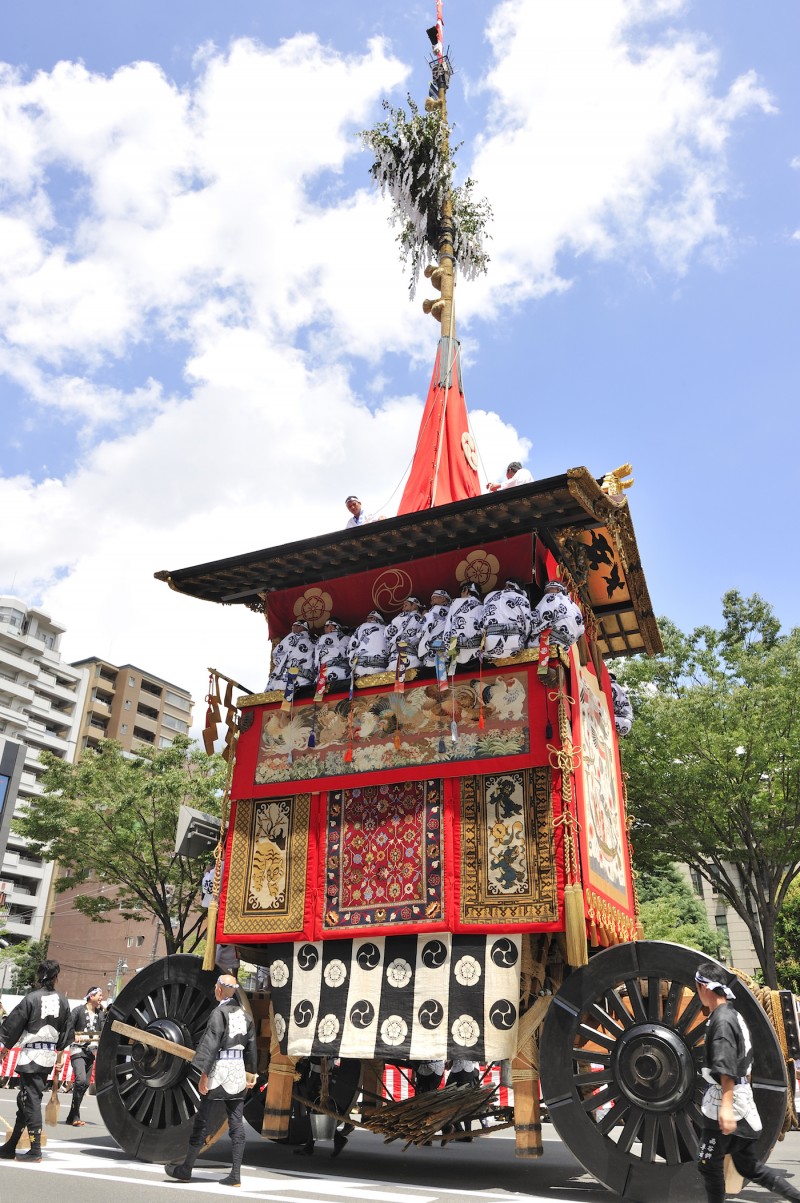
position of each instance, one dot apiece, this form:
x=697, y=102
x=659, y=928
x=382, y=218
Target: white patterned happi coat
x=408, y=627
x=369, y=650
x=507, y=623
x=295, y=650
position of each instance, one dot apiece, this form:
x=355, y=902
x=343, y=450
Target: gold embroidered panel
x=508, y=862
x=269, y=856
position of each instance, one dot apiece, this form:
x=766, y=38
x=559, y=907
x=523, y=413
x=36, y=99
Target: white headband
x=710, y=984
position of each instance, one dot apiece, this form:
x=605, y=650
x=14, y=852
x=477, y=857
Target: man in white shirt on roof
x=515, y=475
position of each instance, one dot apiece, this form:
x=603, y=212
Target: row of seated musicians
x=450, y=633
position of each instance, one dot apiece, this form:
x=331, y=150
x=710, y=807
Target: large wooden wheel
x=148, y=1098
x=621, y=1055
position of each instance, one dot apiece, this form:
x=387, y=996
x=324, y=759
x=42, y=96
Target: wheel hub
x=654, y=1068
x=154, y=1066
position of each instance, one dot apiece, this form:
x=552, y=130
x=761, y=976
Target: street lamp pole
x=122, y=968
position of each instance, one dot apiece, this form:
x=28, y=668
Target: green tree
x=669, y=910
x=787, y=939
x=26, y=957
x=112, y=818
x=713, y=760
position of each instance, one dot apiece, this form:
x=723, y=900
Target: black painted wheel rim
x=148, y=1099
x=621, y=1055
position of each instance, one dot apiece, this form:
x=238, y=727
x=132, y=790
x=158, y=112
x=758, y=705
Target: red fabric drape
x=445, y=462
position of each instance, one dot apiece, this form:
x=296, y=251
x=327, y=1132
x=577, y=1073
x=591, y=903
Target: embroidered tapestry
x=396, y=730
x=384, y=856
x=418, y=727
x=508, y=863
x=266, y=879
x=599, y=789
x=397, y=998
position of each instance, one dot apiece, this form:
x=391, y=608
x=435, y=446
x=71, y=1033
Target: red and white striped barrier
x=8, y=1068
x=398, y=1084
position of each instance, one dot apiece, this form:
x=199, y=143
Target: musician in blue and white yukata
x=225, y=1056
x=434, y=622
x=558, y=613
x=406, y=627
x=507, y=621
x=41, y=1027
x=369, y=650
x=295, y=650
x=463, y=630
x=331, y=652
x=623, y=710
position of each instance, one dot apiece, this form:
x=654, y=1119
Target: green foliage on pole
x=110, y=822
x=714, y=760
x=414, y=165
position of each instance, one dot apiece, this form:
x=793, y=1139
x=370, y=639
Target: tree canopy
x=713, y=760
x=670, y=910
x=113, y=818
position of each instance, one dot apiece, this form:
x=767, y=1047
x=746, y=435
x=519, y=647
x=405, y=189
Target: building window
x=722, y=929
x=164, y=742
x=134, y=941
x=697, y=881
x=131, y=681
x=177, y=700
x=128, y=704
x=174, y=723
x=124, y=728
x=50, y=641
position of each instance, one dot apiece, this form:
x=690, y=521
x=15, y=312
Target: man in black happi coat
x=225, y=1056
x=87, y=1020
x=41, y=1027
x=731, y=1121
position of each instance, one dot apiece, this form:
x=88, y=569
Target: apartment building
x=731, y=929
x=136, y=709
x=40, y=697
x=133, y=707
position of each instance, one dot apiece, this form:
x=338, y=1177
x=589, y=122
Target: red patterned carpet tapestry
x=384, y=857
x=265, y=889
x=396, y=730
x=508, y=872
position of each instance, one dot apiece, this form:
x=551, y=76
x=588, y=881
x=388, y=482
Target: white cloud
x=606, y=136
x=217, y=224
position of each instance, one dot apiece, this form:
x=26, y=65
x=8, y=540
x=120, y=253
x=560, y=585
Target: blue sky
x=207, y=339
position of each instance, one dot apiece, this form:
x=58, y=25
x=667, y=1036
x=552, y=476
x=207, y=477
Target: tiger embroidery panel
x=269, y=854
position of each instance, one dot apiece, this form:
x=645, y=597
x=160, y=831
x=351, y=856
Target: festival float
x=434, y=864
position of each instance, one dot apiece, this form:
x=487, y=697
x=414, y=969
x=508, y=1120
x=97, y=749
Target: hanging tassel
x=210, y=954
x=348, y=755
x=575, y=925
x=312, y=739
x=454, y=724
x=481, y=719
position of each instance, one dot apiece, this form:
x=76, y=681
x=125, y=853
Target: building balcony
x=15, y=689
x=49, y=685
x=10, y=659
x=40, y=705
x=14, y=718
x=46, y=739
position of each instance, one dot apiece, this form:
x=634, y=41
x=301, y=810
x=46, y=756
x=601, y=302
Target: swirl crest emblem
x=391, y=589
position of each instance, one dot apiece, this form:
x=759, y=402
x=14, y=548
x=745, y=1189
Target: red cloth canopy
x=445, y=466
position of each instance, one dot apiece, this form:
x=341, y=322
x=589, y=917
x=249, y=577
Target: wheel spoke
x=605, y=1020
x=631, y=1129
x=613, y=1116
x=688, y=1134
x=607, y=1094
x=691, y=1011
x=595, y=1077
x=616, y=1006
x=669, y=1139
x=654, y=999
x=596, y=1058
x=674, y=996
x=649, y=1136
x=593, y=1036
x=637, y=1002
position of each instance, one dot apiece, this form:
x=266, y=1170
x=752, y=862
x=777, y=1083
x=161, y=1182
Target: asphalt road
x=84, y=1164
